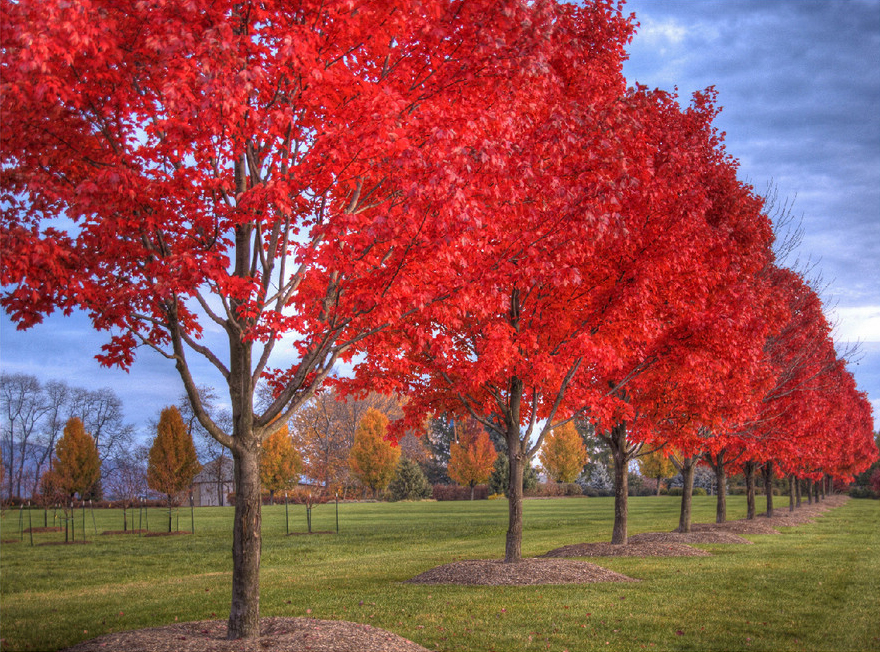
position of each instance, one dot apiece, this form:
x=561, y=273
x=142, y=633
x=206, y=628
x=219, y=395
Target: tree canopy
x=465, y=195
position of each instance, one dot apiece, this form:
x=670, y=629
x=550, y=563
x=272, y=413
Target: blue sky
x=799, y=83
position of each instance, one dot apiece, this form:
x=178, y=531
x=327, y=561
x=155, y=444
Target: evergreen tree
x=409, y=482
x=498, y=481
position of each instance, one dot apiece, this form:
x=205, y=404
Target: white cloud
x=857, y=323
x=658, y=33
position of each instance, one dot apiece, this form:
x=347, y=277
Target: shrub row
x=555, y=489
x=455, y=492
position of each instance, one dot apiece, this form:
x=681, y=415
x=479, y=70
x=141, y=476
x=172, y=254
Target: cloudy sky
x=799, y=82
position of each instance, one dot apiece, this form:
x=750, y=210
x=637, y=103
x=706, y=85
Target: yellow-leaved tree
x=563, y=454
x=656, y=465
x=280, y=463
x=373, y=459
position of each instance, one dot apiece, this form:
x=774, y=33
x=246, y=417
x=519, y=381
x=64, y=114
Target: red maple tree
x=230, y=180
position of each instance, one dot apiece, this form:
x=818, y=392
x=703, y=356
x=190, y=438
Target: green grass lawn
x=815, y=587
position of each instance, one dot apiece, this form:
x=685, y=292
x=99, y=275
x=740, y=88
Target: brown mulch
x=300, y=634
x=494, y=572
x=675, y=544
x=631, y=549
x=279, y=634
x=705, y=536
x=761, y=524
x=40, y=530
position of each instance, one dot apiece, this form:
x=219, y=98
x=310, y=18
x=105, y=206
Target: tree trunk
x=244, y=617
x=659, y=477
x=621, y=483
x=513, y=546
x=822, y=488
x=791, y=492
x=720, y=482
x=687, y=492
x=809, y=491
x=749, y=472
x=797, y=492
x=768, y=487
x=472, y=490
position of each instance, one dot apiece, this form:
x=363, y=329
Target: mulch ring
x=494, y=572
x=631, y=549
x=41, y=530
x=781, y=518
x=700, y=537
x=277, y=634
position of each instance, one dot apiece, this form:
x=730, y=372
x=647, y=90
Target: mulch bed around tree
x=494, y=572
x=675, y=544
x=706, y=536
x=631, y=549
x=300, y=634
x=40, y=530
x=277, y=634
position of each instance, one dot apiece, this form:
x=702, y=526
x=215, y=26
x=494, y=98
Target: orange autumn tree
x=472, y=457
x=76, y=467
x=373, y=458
x=173, y=462
x=281, y=464
x=564, y=454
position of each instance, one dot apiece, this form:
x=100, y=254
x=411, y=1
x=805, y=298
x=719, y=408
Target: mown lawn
x=815, y=587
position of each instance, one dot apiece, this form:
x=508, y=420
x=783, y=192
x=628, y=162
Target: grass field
x=815, y=587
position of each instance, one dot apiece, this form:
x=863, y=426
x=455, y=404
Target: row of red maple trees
x=463, y=198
